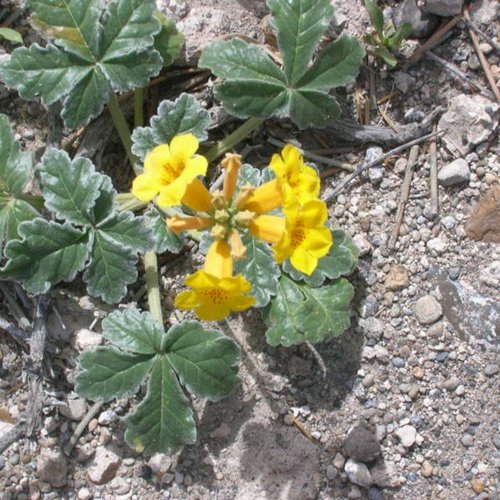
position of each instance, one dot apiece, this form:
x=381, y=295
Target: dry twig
x=405, y=193
x=434, y=182
x=468, y=21
x=93, y=411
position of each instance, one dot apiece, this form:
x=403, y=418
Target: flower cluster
x=297, y=232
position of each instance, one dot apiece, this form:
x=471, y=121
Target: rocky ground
x=408, y=408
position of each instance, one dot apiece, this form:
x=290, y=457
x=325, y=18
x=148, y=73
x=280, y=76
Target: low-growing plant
x=386, y=38
x=265, y=233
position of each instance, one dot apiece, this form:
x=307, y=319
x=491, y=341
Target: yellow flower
x=232, y=164
x=298, y=181
x=306, y=239
x=168, y=170
x=215, y=293
x=265, y=198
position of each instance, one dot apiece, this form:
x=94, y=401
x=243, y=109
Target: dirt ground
x=426, y=390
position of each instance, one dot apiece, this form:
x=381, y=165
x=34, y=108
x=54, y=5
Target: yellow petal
x=218, y=261
x=182, y=147
x=156, y=158
x=314, y=213
x=172, y=194
x=145, y=187
x=265, y=198
x=291, y=155
x=213, y=312
x=241, y=303
x=197, y=197
x=231, y=163
x=200, y=279
x=197, y=165
x=179, y=224
x=303, y=261
x=318, y=241
x=238, y=250
x=268, y=228
x=235, y=285
x=187, y=299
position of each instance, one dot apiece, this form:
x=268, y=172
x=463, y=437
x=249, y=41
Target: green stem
x=153, y=286
x=243, y=131
x=139, y=107
x=127, y=201
x=121, y=127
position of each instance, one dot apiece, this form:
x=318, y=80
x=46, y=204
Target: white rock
x=107, y=417
x=75, y=409
x=427, y=310
x=456, y=172
x=87, y=339
x=84, y=494
x=358, y=473
x=363, y=244
x=437, y=245
x=407, y=435
x=443, y=8
x=160, y=463
x=104, y=466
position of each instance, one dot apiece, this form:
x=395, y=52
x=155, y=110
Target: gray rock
x=427, y=310
x=376, y=175
x=331, y=472
x=104, y=466
x=467, y=440
x=423, y=23
x=456, y=172
x=385, y=475
x=358, y=473
x=407, y=435
x=469, y=121
x=404, y=81
x=491, y=369
x=381, y=353
x=361, y=445
x=362, y=243
x=120, y=485
x=443, y=8
x=75, y=409
x=484, y=11
x=160, y=463
x=451, y=384
x=107, y=417
x=448, y=222
x=52, y=467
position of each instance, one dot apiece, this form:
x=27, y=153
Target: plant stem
x=139, y=107
x=127, y=201
x=121, y=127
x=152, y=284
x=243, y=131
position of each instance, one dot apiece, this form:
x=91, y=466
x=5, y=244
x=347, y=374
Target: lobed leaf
x=169, y=41
x=204, y=360
x=12, y=213
x=131, y=330
x=164, y=420
x=164, y=239
x=182, y=116
x=107, y=373
x=260, y=269
x=47, y=254
x=300, y=313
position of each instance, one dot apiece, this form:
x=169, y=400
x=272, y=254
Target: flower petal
x=178, y=224
x=145, y=187
x=218, y=261
x=318, y=241
x=265, y=198
x=172, y=194
x=156, y=158
x=182, y=147
x=303, y=261
x=268, y=228
x=314, y=213
x=197, y=197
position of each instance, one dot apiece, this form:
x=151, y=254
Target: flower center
x=171, y=170
x=298, y=234
x=215, y=295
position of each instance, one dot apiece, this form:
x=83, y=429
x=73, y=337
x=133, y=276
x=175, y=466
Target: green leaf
x=204, y=360
x=100, y=52
x=299, y=313
x=15, y=166
x=111, y=269
x=165, y=240
x=300, y=24
x=385, y=54
x=248, y=175
x=48, y=253
x=164, y=420
x=376, y=16
x=12, y=213
x=108, y=373
x=182, y=116
x=127, y=230
x=402, y=33
x=260, y=269
x=254, y=86
x=169, y=41
x=131, y=330
x=11, y=35
x=341, y=260
x=70, y=188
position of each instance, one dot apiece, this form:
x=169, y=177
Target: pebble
x=84, y=494
x=104, y=466
x=363, y=244
x=491, y=369
x=418, y=372
x=339, y=461
x=443, y=8
x=451, y=384
x=477, y=485
x=52, y=467
x=361, y=445
x=385, y=474
x=120, y=485
x=427, y=310
x=404, y=81
x=160, y=463
x=426, y=469
x=358, y=473
x=397, y=278
x=456, y=172
x=331, y=472
x=107, y=417
x=407, y=435
x=467, y=440
x=437, y=245
x=75, y=409
x=87, y=339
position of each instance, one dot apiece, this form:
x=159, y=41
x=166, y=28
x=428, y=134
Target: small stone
x=107, y=417
x=75, y=409
x=427, y=310
x=361, y=445
x=84, y=494
x=418, y=372
x=491, y=369
x=437, y=245
x=354, y=493
x=339, y=461
x=460, y=390
x=484, y=222
x=454, y=173
x=477, y=485
x=331, y=472
x=407, y=435
x=398, y=362
x=376, y=175
x=160, y=463
x=426, y=469
x=52, y=467
x=443, y=8
x=222, y=432
x=358, y=473
x=368, y=381
x=448, y=222
x=363, y=244
x=385, y=475
x=467, y=440
x=104, y=466
x=120, y=485
x=451, y=384
x=397, y=279
x=381, y=353
x=87, y=339
x=404, y=81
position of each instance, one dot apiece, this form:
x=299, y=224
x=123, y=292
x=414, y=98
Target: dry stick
x=375, y=162
x=93, y=411
x=319, y=359
x=434, y=182
x=483, y=61
x=16, y=433
x=322, y=159
x=468, y=21
x=405, y=193
x=37, y=348
x=17, y=334
x=451, y=68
